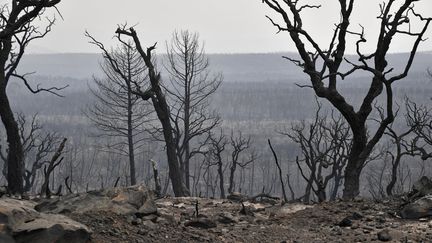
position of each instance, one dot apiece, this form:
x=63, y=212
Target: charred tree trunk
x=158, y=188
x=162, y=112
x=48, y=170
x=321, y=191
x=233, y=169
x=15, y=163
x=186, y=138
x=337, y=182
x=221, y=178
x=130, y=135
x=392, y=183
x=279, y=170
x=160, y=105
x=355, y=164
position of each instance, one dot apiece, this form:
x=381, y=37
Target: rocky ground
x=225, y=221
x=132, y=215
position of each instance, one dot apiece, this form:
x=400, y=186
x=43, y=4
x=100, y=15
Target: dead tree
x=217, y=147
x=280, y=172
x=37, y=146
x=404, y=144
x=189, y=90
x=420, y=118
x=158, y=188
x=48, y=170
x=117, y=112
x=239, y=145
x=323, y=67
x=324, y=145
x=16, y=32
x=153, y=92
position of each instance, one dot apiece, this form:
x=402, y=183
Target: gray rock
x=150, y=225
x=19, y=222
x=418, y=209
x=346, y=222
x=124, y=201
x=136, y=221
x=384, y=235
x=357, y=216
x=227, y=218
x=151, y=217
x=148, y=208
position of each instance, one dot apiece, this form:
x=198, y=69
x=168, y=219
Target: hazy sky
x=226, y=26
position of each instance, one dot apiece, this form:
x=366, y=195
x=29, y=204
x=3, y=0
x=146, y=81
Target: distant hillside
x=236, y=67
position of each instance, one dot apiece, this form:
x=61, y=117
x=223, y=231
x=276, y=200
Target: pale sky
x=226, y=26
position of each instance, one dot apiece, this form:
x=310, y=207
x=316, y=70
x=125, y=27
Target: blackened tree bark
x=324, y=144
x=419, y=116
x=239, y=145
x=189, y=90
x=49, y=169
x=117, y=112
x=217, y=148
x=16, y=32
x=279, y=170
x=323, y=66
x=154, y=93
x=403, y=146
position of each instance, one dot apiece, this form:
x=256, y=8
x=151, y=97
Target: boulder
x=147, y=208
x=124, y=201
x=227, y=218
x=346, y=222
x=19, y=222
x=418, y=209
x=384, y=235
x=288, y=209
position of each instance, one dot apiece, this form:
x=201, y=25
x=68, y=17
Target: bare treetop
x=323, y=66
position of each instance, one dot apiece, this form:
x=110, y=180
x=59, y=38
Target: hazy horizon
x=215, y=53
x=225, y=26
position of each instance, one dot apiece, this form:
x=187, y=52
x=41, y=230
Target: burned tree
x=324, y=146
x=189, y=90
x=404, y=145
x=217, y=147
x=17, y=30
x=118, y=113
x=50, y=167
x=323, y=67
x=153, y=92
x=419, y=117
x=278, y=165
x=239, y=145
x=37, y=146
